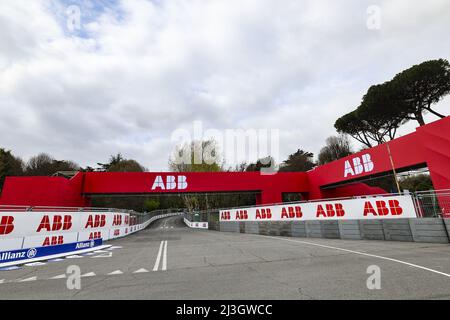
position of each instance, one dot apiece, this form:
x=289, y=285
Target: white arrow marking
x=90, y=274
x=142, y=270
x=115, y=272
x=61, y=276
x=28, y=279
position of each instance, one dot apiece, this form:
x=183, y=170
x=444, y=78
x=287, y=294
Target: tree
x=350, y=124
x=421, y=86
x=266, y=162
x=118, y=163
x=336, y=147
x=9, y=165
x=196, y=156
x=301, y=161
x=381, y=113
x=113, y=160
x=45, y=165
x=151, y=204
x=420, y=182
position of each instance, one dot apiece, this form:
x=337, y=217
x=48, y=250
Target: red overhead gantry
x=428, y=146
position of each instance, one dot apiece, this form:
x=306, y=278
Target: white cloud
x=137, y=70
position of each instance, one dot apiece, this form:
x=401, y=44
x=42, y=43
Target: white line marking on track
x=364, y=254
x=89, y=274
x=142, y=270
x=2, y=280
x=108, y=255
x=61, y=276
x=28, y=279
x=158, y=258
x=35, y=264
x=55, y=260
x=115, y=273
x=75, y=256
x=164, y=262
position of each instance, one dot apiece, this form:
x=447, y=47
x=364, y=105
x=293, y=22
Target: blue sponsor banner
x=39, y=252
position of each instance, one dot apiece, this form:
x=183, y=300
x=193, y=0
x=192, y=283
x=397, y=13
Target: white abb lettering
x=171, y=183
x=358, y=167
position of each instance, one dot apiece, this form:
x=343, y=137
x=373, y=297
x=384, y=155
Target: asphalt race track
x=170, y=261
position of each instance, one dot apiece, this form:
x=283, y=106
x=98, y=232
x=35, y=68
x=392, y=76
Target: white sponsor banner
x=392, y=207
x=49, y=240
x=10, y=244
x=23, y=224
x=196, y=225
x=94, y=234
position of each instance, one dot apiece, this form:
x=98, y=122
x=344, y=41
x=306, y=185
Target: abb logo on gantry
x=171, y=183
x=358, y=165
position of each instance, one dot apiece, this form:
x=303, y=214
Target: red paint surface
x=428, y=146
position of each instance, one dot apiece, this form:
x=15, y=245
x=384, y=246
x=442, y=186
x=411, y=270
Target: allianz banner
x=391, y=207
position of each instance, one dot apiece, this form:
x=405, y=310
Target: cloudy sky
x=133, y=71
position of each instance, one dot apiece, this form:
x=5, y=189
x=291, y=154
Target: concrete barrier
x=349, y=230
x=397, y=230
x=252, y=227
x=371, y=229
x=429, y=230
x=298, y=229
x=229, y=227
x=313, y=229
x=330, y=229
x=434, y=230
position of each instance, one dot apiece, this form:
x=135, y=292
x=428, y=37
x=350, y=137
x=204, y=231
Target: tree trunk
x=419, y=118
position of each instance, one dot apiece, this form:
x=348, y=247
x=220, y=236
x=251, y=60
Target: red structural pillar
x=435, y=143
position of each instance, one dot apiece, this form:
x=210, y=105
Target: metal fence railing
x=432, y=203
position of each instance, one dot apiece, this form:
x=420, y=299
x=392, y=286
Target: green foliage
x=9, y=165
x=385, y=107
x=421, y=182
x=421, y=86
x=266, y=162
x=300, y=161
x=45, y=165
x=195, y=157
x=336, y=147
x=151, y=205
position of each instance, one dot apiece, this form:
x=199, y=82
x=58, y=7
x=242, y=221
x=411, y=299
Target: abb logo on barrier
x=291, y=212
x=358, y=165
x=95, y=235
x=226, y=215
x=117, y=221
x=171, y=183
x=58, y=223
x=53, y=241
x=383, y=208
x=336, y=210
x=6, y=225
x=263, y=214
x=96, y=221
